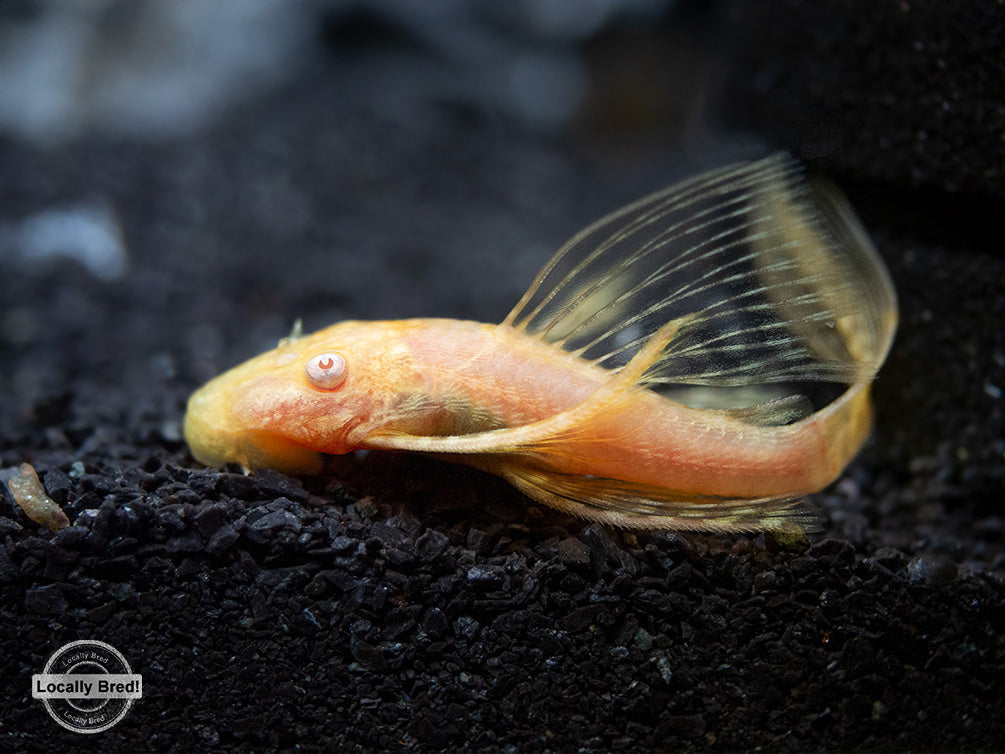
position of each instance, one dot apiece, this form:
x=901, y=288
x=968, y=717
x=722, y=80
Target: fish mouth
x=213, y=441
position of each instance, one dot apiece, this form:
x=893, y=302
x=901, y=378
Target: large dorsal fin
x=777, y=288
x=740, y=277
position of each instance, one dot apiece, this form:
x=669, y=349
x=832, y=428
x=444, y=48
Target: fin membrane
x=630, y=505
x=780, y=285
x=775, y=412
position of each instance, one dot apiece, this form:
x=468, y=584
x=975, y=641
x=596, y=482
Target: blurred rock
x=147, y=70
x=87, y=233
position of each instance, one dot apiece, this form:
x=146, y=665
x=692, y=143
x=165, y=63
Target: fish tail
x=841, y=430
x=866, y=328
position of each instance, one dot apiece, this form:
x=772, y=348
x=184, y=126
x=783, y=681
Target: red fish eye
x=325, y=371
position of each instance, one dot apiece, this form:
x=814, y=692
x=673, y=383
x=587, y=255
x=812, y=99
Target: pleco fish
x=657, y=374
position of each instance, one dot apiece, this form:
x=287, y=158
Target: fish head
x=312, y=395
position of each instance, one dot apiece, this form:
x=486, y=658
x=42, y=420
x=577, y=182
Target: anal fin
x=630, y=505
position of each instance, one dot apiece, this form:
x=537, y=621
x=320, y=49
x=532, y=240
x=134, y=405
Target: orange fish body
x=567, y=398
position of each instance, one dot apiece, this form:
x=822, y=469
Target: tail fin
x=866, y=329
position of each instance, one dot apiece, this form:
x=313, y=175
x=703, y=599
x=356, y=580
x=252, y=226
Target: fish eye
x=326, y=370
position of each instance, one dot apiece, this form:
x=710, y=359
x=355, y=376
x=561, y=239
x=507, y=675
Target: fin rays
x=734, y=279
x=625, y=504
x=743, y=253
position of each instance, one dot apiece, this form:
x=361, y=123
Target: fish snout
x=207, y=433
x=220, y=429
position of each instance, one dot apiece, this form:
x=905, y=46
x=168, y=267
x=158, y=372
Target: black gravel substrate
x=401, y=604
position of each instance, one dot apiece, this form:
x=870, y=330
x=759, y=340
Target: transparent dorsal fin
x=776, y=285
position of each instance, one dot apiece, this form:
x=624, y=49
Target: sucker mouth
x=213, y=444
x=266, y=450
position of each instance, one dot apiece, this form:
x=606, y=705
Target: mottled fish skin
x=741, y=278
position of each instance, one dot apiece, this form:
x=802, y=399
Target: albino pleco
x=654, y=375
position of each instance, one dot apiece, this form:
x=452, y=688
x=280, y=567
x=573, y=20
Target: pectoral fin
x=515, y=439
